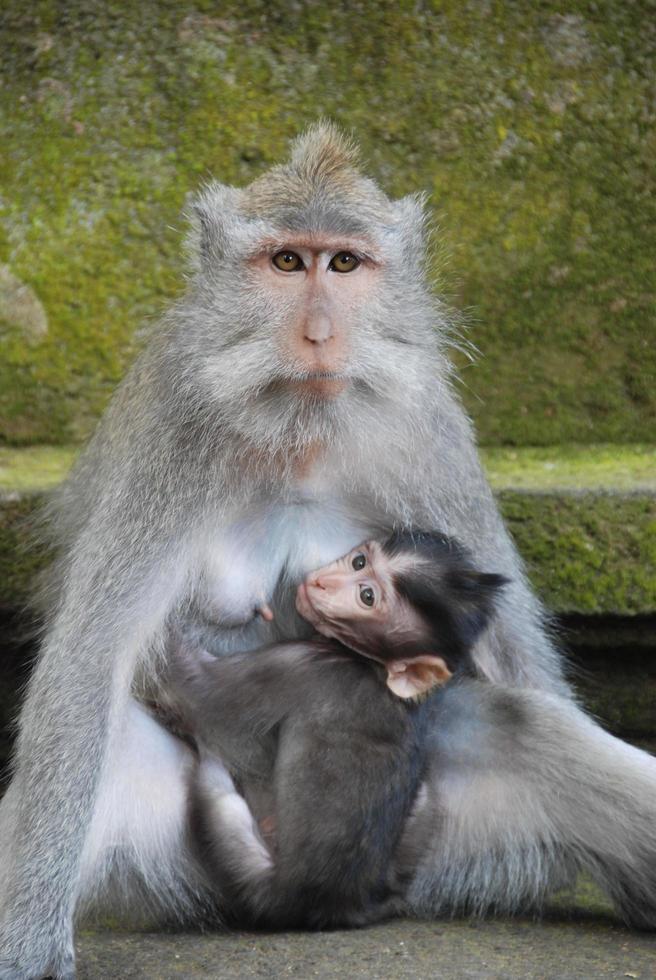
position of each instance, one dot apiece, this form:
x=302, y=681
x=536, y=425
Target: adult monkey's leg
x=525, y=790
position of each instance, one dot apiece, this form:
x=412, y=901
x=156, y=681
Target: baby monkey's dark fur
x=331, y=753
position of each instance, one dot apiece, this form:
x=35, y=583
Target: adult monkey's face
x=323, y=283
x=312, y=301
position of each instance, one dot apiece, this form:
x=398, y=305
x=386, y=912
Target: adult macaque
x=297, y=400
x=333, y=742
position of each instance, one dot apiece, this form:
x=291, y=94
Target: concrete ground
x=584, y=946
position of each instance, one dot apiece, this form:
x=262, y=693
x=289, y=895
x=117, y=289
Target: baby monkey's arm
x=224, y=700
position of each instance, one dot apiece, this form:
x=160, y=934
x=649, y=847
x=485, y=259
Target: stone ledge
x=577, y=940
x=583, y=517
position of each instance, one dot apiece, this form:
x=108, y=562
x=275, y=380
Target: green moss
x=19, y=561
x=532, y=128
x=586, y=895
x=590, y=553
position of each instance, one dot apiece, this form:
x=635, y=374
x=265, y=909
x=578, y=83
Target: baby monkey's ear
x=414, y=677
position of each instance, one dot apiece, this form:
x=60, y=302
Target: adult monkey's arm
x=114, y=587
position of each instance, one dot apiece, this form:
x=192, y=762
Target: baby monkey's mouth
x=306, y=608
x=304, y=605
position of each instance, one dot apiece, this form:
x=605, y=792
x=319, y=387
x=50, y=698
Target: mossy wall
x=531, y=125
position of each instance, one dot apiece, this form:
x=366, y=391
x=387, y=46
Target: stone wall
x=530, y=125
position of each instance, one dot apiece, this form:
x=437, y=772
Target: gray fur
x=288, y=721
x=196, y=446
x=319, y=744
x=528, y=791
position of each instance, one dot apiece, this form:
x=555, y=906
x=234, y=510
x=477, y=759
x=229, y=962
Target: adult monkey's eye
x=367, y=595
x=344, y=262
x=359, y=562
x=287, y=261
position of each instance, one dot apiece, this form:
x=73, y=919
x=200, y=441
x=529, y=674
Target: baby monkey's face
x=356, y=586
x=415, y=604
x=354, y=600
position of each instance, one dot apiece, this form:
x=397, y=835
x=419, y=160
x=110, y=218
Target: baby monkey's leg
x=226, y=833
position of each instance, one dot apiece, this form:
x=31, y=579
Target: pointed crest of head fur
x=324, y=153
x=318, y=181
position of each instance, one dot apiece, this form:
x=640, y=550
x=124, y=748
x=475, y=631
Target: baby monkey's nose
x=328, y=581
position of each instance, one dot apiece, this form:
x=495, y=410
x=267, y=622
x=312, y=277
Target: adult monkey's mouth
x=310, y=382
x=326, y=383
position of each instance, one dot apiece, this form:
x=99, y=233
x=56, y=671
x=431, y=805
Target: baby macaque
x=300, y=829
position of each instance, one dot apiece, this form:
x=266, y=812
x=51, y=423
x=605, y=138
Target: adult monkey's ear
x=414, y=677
x=411, y=228
x=215, y=223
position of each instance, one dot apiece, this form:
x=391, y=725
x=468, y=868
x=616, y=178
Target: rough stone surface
x=587, y=948
x=532, y=128
x=618, y=685
x=20, y=307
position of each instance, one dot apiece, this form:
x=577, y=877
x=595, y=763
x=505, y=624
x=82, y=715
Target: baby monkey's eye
x=359, y=562
x=287, y=261
x=344, y=262
x=367, y=595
